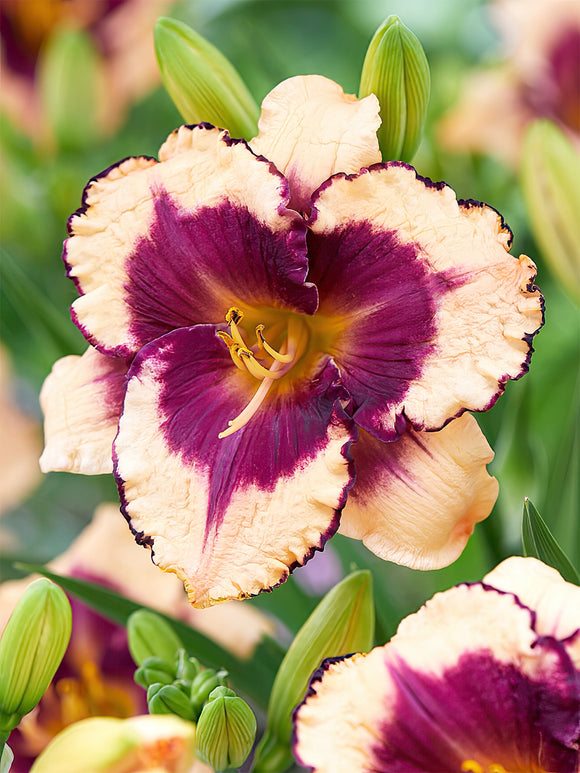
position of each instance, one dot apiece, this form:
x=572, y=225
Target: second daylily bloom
x=251, y=315
x=496, y=689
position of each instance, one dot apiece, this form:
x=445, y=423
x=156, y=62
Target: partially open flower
x=249, y=319
x=485, y=678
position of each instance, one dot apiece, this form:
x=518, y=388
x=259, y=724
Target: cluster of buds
x=178, y=685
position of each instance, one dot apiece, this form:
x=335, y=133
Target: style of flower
x=96, y=674
x=485, y=678
x=539, y=78
x=252, y=311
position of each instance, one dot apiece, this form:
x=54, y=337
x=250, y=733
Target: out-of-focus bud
x=186, y=667
x=202, y=83
x=110, y=745
x=6, y=759
x=154, y=670
x=226, y=730
x=396, y=70
x=31, y=649
x=550, y=175
x=342, y=623
x=150, y=635
x=203, y=684
x=69, y=83
x=169, y=699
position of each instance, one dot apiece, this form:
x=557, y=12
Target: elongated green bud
x=396, y=70
x=202, y=83
x=68, y=69
x=169, y=699
x=226, y=730
x=31, y=649
x=186, y=668
x=150, y=635
x=343, y=622
x=550, y=175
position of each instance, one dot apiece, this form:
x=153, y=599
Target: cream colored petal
x=106, y=549
x=81, y=400
x=541, y=588
x=132, y=212
x=417, y=500
x=486, y=308
x=311, y=129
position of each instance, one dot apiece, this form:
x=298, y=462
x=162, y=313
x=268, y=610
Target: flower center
x=279, y=362
x=471, y=766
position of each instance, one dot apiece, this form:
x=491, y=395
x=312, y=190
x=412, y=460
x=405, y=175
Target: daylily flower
x=250, y=316
x=121, y=31
x=96, y=675
x=484, y=678
x=539, y=78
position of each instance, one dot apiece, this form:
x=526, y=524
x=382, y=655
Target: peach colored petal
x=416, y=501
x=81, y=400
x=311, y=129
x=541, y=588
x=487, y=308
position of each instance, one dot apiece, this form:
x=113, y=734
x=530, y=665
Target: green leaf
x=539, y=542
x=253, y=677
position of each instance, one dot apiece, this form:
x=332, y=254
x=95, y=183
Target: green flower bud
x=154, y=670
x=202, y=83
x=203, y=684
x=226, y=730
x=68, y=69
x=150, y=635
x=186, y=668
x=396, y=70
x=111, y=745
x=169, y=699
x=31, y=649
x=550, y=175
x=342, y=623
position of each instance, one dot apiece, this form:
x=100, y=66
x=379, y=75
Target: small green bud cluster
x=178, y=684
x=181, y=687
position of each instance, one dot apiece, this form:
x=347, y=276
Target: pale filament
x=293, y=348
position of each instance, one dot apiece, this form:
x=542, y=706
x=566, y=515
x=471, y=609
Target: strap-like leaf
x=539, y=542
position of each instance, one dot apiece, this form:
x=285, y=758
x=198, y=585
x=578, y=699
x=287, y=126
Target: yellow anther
x=271, y=351
x=234, y=315
x=471, y=766
x=233, y=347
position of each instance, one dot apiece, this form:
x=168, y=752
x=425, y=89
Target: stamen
x=271, y=351
x=233, y=317
x=257, y=370
x=471, y=766
x=251, y=408
x=233, y=349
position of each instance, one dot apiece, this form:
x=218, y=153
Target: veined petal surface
x=311, y=129
x=416, y=501
x=162, y=245
x=232, y=516
x=81, y=400
x=465, y=680
x=449, y=314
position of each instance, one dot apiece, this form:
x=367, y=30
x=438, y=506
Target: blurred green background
x=533, y=428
